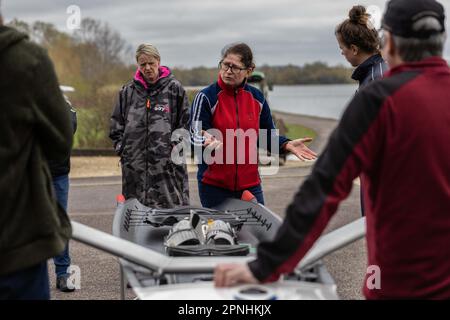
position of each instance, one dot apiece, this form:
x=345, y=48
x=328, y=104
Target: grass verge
x=296, y=131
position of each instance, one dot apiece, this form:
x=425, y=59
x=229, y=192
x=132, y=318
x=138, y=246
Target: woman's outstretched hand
x=299, y=148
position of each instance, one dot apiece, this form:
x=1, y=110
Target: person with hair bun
x=360, y=45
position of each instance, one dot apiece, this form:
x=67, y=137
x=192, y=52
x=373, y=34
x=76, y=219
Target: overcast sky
x=192, y=32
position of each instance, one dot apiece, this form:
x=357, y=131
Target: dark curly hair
x=241, y=49
x=358, y=30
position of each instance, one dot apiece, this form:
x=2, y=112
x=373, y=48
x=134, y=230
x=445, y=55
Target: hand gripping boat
x=171, y=253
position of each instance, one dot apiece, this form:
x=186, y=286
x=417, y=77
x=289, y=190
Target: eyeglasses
x=228, y=66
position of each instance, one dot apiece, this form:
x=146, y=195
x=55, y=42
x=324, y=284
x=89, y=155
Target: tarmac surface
x=92, y=202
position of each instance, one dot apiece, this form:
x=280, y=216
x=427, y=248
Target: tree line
x=310, y=73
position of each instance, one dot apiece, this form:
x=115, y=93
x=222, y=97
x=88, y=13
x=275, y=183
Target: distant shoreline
x=199, y=87
x=274, y=111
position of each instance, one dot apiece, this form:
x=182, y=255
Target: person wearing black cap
x=394, y=133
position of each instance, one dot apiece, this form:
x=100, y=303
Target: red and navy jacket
x=396, y=134
x=223, y=108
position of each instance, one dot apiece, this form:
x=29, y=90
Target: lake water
x=325, y=101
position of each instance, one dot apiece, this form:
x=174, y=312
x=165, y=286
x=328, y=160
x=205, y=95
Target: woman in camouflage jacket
x=148, y=110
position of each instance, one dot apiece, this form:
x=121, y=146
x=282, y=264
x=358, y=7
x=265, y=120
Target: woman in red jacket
x=228, y=119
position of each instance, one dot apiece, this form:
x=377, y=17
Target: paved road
x=92, y=202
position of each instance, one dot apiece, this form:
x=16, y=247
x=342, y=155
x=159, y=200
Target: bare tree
x=22, y=26
x=109, y=43
x=44, y=33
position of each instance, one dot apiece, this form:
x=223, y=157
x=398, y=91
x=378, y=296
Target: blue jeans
x=211, y=196
x=61, y=185
x=28, y=284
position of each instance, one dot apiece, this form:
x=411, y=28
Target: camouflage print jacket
x=141, y=127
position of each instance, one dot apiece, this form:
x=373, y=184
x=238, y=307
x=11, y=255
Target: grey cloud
x=192, y=32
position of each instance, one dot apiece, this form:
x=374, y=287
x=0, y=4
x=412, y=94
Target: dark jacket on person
x=370, y=70
x=58, y=169
x=373, y=68
x=35, y=126
x=395, y=133
x=142, y=123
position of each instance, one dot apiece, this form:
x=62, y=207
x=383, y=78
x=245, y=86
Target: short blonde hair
x=148, y=49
